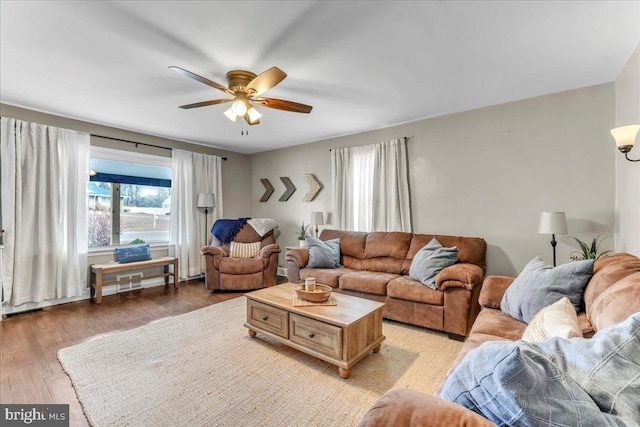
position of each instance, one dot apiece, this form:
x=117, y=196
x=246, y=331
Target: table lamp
x=317, y=219
x=553, y=223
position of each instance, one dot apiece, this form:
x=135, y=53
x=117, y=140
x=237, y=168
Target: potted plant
x=302, y=235
x=588, y=252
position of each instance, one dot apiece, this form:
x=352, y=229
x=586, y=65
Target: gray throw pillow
x=323, y=254
x=430, y=260
x=540, y=285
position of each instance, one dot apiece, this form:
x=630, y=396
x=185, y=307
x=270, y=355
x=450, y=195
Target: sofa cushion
x=406, y=288
x=430, y=260
x=323, y=254
x=472, y=250
x=392, y=244
x=367, y=281
x=556, y=320
x=555, y=382
x=351, y=246
x=386, y=251
x=241, y=265
x=325, y=276
x=607, y=271
x=540, y=285
x=498, y=324
x=616, y=303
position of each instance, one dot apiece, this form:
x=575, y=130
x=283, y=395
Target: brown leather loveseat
x=376, y=266
x=612, y=295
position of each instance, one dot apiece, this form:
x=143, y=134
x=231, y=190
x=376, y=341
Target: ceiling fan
x=245, y=87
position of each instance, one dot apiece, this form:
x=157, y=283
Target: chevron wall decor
x=290, y=189
x=315, y=187
x=268, y=189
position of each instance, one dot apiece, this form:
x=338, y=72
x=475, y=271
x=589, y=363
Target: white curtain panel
x=391, y=210
x=44, y=177
x=371, y=187
x=193, y=173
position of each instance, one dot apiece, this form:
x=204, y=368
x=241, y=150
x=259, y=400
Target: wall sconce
x=625, y=137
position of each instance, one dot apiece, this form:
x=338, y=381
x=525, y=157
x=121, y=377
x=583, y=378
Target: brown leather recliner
x=226, y=273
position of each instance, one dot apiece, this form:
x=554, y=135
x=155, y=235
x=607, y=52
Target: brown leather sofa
x=237, y=274
x=612, y=295
x=376, y=266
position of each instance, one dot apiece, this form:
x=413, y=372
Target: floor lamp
x=206, y=201
x=317, y=219
x=553, y=223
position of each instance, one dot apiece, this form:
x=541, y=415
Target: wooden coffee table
x=341, y=334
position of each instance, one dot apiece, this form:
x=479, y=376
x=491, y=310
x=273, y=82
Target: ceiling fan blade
x=201, y=79
x=281, y=104
x=265, y=81
x=248, y=119
x=205, y=103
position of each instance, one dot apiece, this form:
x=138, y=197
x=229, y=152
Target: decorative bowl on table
x=320, y=294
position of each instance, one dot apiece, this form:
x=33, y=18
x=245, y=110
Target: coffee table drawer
x=267, y=317
x=316, y=335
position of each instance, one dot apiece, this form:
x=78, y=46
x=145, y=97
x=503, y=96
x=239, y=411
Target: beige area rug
x=202, y=369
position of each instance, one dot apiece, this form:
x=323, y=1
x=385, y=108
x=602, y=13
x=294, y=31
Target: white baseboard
x=107, y=290
x=282, y=271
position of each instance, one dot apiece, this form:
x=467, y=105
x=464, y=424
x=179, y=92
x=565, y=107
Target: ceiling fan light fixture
x=230, y=114
x=253, y=114
x=239, y=108
x=244, y=89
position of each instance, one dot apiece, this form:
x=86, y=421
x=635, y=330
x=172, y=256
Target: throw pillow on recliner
x=244, y=250
x=323, y=254
x=430, y=260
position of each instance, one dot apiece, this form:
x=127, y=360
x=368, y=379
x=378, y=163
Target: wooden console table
x=98, y=270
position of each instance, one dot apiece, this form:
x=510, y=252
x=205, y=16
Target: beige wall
x=487, y=173
x=235, y=171
x=627, y=88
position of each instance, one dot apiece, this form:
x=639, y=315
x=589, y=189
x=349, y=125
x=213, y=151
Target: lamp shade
x=230, y=114
x=316, y=218
x=625, y=135
x=552, y=223
x=206, y=200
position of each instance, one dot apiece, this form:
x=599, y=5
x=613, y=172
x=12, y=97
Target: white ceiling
x=361, y=65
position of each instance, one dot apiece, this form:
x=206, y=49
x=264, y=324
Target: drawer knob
x=311, y=335
x=264, y=318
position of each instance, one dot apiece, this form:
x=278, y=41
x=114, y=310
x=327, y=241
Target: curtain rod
x=403, y=137
x=138, y=143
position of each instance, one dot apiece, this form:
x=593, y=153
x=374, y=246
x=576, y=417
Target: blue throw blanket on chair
x=226, y=229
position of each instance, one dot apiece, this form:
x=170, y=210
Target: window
x=129, y=198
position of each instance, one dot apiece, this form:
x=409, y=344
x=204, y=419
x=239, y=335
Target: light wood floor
x=29, y=367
